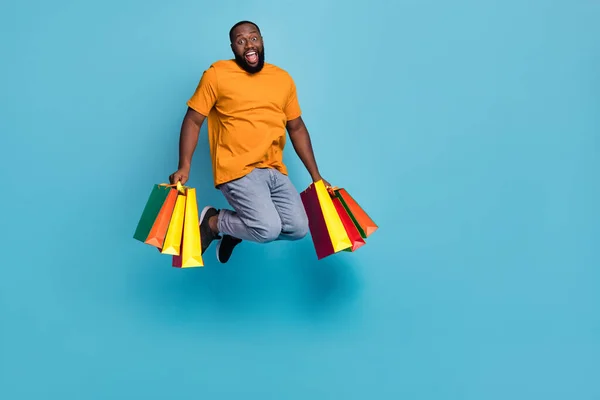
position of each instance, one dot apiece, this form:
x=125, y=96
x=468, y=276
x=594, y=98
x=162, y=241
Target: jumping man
x=250, y=104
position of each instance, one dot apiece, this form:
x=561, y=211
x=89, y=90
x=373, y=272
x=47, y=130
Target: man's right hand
x=181, y=175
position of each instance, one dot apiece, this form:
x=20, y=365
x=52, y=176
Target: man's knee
x=268, y=230
x=298, y=228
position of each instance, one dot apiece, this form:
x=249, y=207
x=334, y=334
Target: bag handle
x=178, y=185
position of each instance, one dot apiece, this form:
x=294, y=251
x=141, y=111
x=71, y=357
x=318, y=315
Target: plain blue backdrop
x=468, y=130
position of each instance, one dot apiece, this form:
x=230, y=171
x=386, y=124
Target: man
x=249, y=105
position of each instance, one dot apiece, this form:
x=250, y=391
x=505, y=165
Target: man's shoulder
x=277, y=70
x=222, y=64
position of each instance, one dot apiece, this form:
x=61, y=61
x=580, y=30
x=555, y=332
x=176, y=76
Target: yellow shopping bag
x=191, y=247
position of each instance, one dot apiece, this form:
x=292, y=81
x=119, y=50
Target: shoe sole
x=203, y=213
x=218, y=247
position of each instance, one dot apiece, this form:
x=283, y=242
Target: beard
x=241, y=61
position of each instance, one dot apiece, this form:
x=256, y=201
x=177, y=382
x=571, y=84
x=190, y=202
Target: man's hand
x=319, y=178
x=181, y=175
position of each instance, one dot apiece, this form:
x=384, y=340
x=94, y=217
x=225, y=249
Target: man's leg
x=253, y=218
x=294, y=221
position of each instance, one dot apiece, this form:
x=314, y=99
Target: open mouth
x=251, y=56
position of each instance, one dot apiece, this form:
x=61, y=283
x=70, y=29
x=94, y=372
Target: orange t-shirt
x=247, y=116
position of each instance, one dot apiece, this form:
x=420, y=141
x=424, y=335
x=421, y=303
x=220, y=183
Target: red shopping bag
x=353, y=234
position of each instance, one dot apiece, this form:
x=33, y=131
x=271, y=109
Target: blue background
x=472, y=139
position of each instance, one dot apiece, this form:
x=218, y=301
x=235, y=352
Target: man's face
x=248, y=48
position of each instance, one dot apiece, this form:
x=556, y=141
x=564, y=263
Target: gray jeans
x=267, y=207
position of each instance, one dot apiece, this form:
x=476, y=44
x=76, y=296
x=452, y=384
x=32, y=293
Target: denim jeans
x=266, y=207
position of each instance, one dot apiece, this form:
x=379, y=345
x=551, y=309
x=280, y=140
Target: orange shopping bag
x=360, y=218
x=172, y=243
x=157, y=234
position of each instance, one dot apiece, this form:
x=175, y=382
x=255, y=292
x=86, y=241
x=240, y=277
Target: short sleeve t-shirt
x=247, y=116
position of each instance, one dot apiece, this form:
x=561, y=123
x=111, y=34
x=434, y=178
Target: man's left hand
x=327, y=184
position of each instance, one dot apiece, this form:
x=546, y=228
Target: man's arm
x=188, y=139
x=303, y=147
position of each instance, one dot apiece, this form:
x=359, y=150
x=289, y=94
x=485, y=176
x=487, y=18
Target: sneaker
x=206, y=234
x=225, y=247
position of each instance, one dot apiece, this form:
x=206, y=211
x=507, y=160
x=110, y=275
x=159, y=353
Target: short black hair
x=241, y=23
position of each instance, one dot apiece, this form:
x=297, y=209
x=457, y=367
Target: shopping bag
x=153, y=207
x=327, y=230
x=157, y=234
x=190, y=254
x=353, y=234
x=361, y=219
x=172, y=243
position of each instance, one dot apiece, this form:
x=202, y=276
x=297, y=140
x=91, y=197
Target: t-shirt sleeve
x=205, y=95
x=292, y=108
